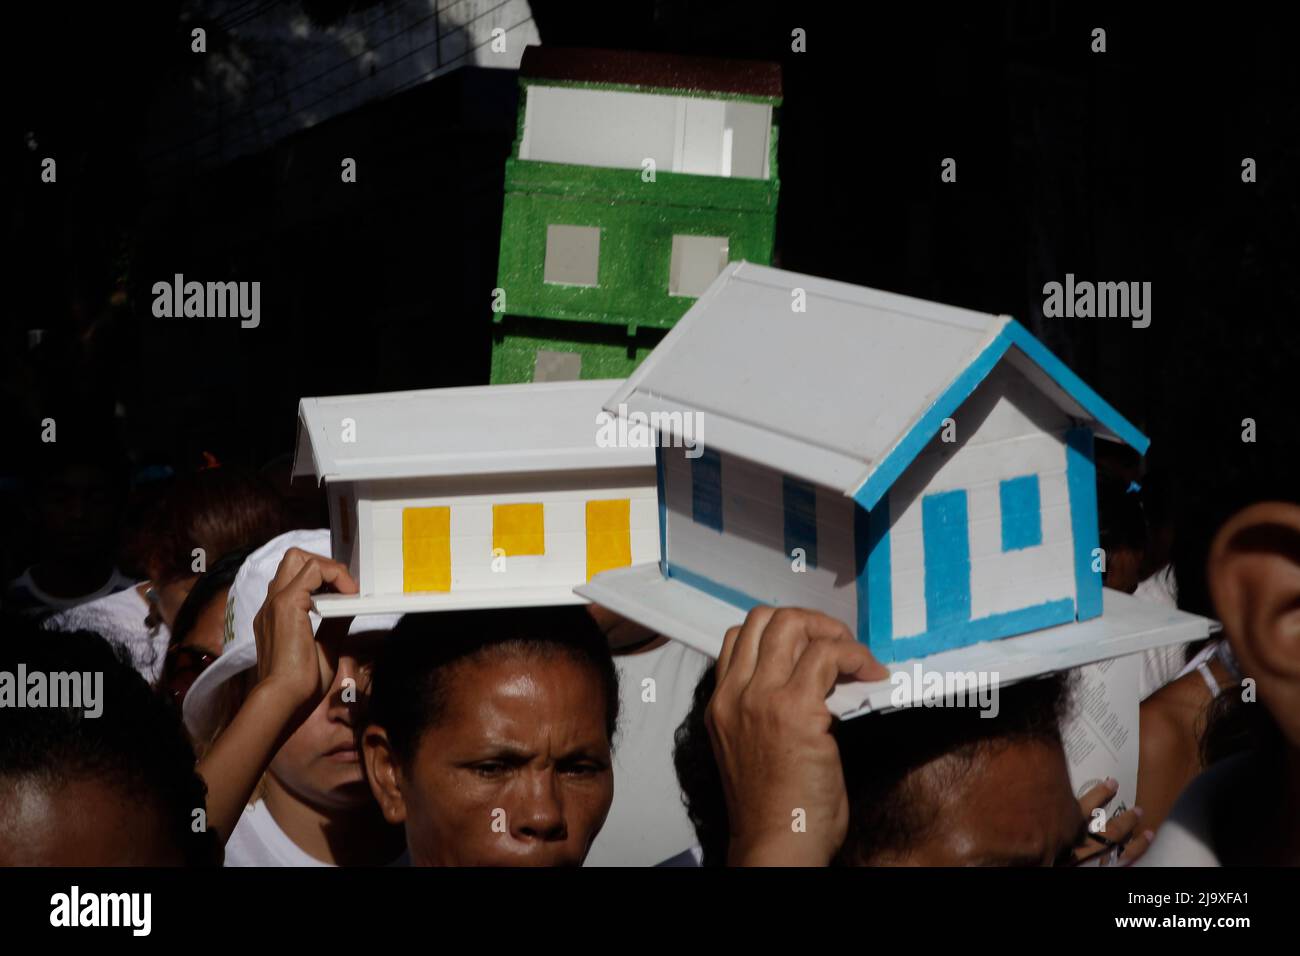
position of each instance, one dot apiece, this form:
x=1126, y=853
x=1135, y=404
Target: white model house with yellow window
x=488, y=496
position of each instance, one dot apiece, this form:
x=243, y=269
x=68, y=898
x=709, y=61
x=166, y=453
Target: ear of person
x=382, y=772
x=1254, y=577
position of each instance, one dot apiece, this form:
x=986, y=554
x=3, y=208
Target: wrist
x=783, y=849
x=275, y=699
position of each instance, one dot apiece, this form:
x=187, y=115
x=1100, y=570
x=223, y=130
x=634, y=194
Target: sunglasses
x=181, y=667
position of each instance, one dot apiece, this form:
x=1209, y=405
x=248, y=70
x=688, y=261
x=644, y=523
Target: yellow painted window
x=518, y=529
x=426, y=549
x=609, y=535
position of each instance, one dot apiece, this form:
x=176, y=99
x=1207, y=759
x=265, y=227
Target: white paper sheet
x=1101, y=734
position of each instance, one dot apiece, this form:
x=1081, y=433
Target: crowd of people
x=237, y=727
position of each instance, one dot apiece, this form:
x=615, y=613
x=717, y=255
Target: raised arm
x=293, y=673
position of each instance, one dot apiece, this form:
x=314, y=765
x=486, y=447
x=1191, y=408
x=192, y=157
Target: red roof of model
x=663, y=70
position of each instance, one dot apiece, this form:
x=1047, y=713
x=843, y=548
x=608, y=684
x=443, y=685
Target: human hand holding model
x=293, y=673
x=290, y=660
x=771, y=734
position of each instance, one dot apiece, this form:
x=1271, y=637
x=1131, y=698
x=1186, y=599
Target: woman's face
x=320, y=764
x=210, y=626
x=197, y=649
x=516, y=772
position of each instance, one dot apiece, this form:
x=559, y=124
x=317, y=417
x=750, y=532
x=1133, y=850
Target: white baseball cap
x=239, y=645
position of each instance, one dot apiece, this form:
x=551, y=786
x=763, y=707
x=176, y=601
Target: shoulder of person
x=1167, y=726
x=257, y=840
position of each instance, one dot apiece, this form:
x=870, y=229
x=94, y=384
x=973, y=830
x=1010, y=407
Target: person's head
x=1254, y=581
x=1239, y=563
x=319, y=765
x=199, y=628
x=216, y=511
x=490, y=735
x=1123, y=532
x=116, y=788
x=937, y=786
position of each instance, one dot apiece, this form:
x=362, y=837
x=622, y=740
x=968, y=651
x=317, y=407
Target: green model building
x=634, y=179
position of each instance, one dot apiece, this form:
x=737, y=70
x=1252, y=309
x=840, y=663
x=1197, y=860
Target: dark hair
x=182, y=665
x=408, y=691
x=1121, y=518
x=220, y=510
x=1233, y=727
x=1251, y=476
x=890, y=805
x=136, y=744
x=219, y=577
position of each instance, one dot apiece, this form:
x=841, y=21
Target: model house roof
x=480, y=430
x=846, y=393
x=657, y=71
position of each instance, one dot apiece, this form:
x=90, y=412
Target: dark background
x=1119, y=166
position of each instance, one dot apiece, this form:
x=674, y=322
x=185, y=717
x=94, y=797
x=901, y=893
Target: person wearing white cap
x=278, y=714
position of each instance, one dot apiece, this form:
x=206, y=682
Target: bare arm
x=292, y=676
x=1169, y=727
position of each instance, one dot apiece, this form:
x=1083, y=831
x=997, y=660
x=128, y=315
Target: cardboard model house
x=922, y=472
x=634, y=179
x=477, y=497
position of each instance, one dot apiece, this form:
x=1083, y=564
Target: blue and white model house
x=922, y=472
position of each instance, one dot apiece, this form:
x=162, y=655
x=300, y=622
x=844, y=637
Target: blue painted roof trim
x=892, y=467
x=1076, y=388
x=927, y=426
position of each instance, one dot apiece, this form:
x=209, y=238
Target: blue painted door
x=946, y=539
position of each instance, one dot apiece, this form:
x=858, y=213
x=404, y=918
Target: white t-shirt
x=23, y=596
x=1160, y=588
x=1160, y=665
x=259, y=841
x=120, y=618
x=647, y=823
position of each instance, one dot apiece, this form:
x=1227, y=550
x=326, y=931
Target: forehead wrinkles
x=503, y=656
x=23, y=800
x=502, y=713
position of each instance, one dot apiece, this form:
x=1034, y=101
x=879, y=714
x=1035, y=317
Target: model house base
x=688, y=614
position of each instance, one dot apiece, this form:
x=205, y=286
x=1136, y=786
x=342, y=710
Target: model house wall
x=726, y=524
x=993, y=535
x=616, y=129
x=635, y=178
x=1014, y=455
x=979, y=530
x=425, y=535
x=345, y=541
